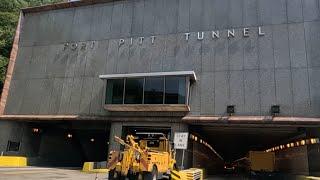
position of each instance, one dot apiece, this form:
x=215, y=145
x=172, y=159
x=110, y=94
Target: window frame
x=124, y=79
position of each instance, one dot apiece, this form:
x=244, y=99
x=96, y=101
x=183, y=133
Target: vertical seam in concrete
x=142, y=28
x=289, y=49
x=259, y=74
x=306, y=55
x=274, y=66
x=290, y=68
x=228, y=71
x=12, y=61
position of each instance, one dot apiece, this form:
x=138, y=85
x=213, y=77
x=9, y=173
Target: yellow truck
x=144, y=158
x=257, y=161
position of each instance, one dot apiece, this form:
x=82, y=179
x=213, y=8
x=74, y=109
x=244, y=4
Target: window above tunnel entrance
x=164, y=91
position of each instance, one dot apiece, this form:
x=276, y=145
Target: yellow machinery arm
x=133, y=145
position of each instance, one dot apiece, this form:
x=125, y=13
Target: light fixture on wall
x=36, y=130
x=275, y=109
x=230, y=109
x=69, y=135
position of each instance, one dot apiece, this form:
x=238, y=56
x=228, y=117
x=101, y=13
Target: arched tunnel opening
x=232, y=144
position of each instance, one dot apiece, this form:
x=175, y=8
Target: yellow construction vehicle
x=145, y=158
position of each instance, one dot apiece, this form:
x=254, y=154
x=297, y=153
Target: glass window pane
x=175, y=92
x=114, y=94
x=134, y=91
x=153, y=90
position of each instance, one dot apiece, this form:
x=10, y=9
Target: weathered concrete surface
x=281, y=67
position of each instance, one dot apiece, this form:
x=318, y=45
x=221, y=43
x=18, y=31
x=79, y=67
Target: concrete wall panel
x=62, y=25
x=146, y=55
x=221, y=18
x=250, y=12
x=251, y=92
x=235, y=13
x=21, y=68
x=15, y=97
x=237, y=97
x=101, y=21
x=75, y=96
x=250, y=51
x=221, y=94
x=65, y=95
x=294, y=10
x=267, y=90
x=56, y=60
x=28, y=37
x=297, y=46
x=312, y=43
x=208, y=21
x=116, y=19
x=265, y=44
x=284, y=91
x=137, y=18
x=41, y=28
x=194, y=102
x=196, y=15
x=207, y=54
x=45, y=94
x=126, y=19
x=301, y=96
x=168, y=63
x=221, y=54
x=314, y=75
x=279, y=11
x=182, y=49
x=97, y=97
x=207, y=93
x=171, y=15
x=123, y=57
x=56, y=96
x=310, y=10
x=194, y=55
x=235, y=51
x=86, y=93
x=149, y=16
x=38, y=62
x=134, y=58
x=113, y=47
x=281, y=46
x=183, y=16
x=265, y=11
x=96, y=61
x=32, y=97
x=72, y=60
x=84, y=51
x=82, y=22
x=157, y=51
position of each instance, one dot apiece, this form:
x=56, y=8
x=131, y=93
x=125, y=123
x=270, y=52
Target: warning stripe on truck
x=175, y=175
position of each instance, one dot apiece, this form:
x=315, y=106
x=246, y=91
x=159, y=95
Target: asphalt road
x=35, y=173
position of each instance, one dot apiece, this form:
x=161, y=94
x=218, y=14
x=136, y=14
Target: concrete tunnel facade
x=249, y=55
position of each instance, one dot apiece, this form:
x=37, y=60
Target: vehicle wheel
x=113, y=175
x=133, y=176
x=153, y=175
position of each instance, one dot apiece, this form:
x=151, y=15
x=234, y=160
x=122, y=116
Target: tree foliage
x=9, y=15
